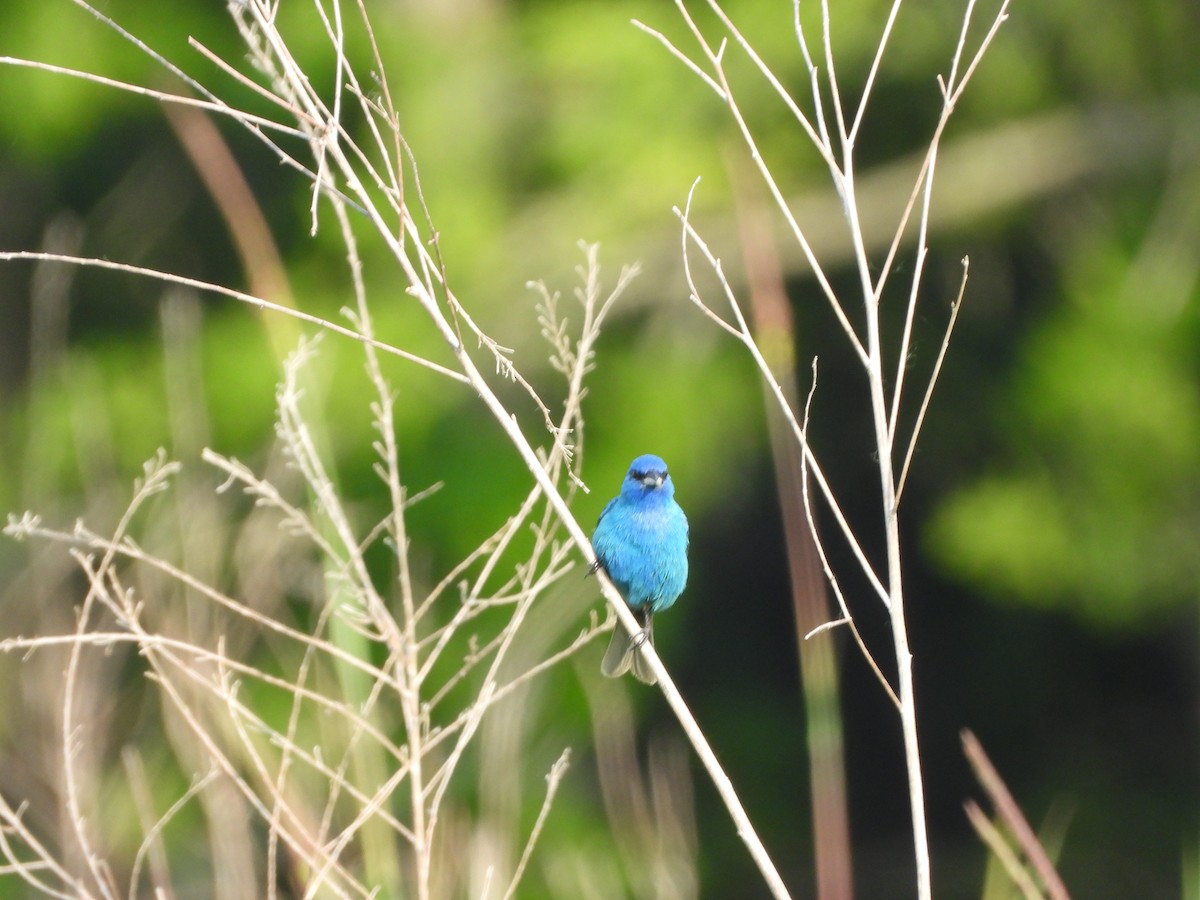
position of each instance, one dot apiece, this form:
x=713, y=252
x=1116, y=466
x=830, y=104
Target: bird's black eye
x=637, y=476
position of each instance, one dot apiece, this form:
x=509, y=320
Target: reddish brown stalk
x=774, y=330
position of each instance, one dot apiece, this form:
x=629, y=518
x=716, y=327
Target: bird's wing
x=611, y=503
x=599, y=563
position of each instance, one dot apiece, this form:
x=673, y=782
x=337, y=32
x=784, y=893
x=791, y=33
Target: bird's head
x=647, y=474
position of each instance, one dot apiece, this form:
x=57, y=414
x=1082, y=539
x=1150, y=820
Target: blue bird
x=641, y=542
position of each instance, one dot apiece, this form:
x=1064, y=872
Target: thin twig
x=933, y=378
x=1010, y=813
x=830, y=575
x=210, y=287
x=991, y=836
x=742, y=333
x=553, y=780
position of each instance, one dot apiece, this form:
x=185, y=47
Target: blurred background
x=1052, y=515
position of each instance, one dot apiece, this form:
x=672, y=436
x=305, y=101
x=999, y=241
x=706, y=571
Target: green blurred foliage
x=1097, y=505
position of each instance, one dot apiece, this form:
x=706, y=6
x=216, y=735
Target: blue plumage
x=641, y=541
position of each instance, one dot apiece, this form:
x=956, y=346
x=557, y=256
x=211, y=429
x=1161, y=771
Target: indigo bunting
x=641, y=542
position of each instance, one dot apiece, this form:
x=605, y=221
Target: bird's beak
x=653, y=480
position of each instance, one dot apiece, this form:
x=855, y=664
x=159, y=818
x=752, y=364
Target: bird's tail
x=623, y=654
